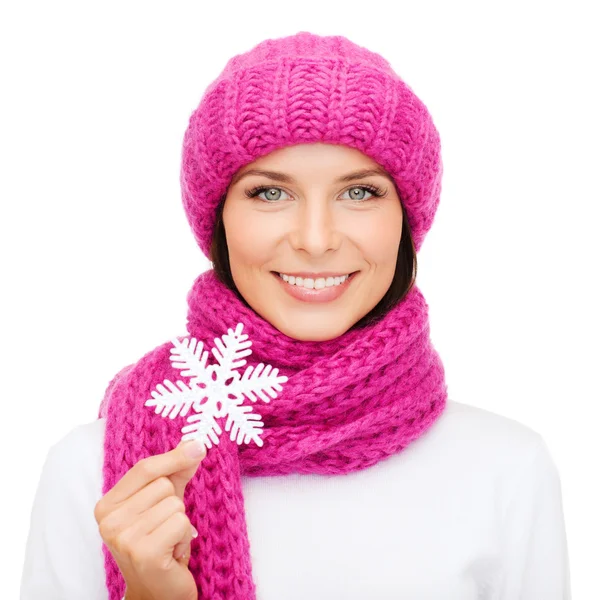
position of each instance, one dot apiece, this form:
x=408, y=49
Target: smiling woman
x=310, y=175
x=311, y=232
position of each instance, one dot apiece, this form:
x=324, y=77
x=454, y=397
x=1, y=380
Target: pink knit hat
x=302, y=89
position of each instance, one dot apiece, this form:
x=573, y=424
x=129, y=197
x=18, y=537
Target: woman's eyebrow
x=284, y=178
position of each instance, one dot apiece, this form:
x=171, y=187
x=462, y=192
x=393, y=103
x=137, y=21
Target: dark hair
x=404, y=276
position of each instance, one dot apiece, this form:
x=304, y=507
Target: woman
x=310, y=175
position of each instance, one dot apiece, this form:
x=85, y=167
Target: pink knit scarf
x=348, y=403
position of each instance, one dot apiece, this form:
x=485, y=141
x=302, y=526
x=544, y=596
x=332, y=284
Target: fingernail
x=195, y=449
x=194, y=532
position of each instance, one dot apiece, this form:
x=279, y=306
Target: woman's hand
x=142, y=521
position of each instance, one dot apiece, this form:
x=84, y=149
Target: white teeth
x=317, y=284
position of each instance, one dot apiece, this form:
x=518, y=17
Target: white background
x=97, y=255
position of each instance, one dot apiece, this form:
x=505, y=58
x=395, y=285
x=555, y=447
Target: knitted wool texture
x=349, y=402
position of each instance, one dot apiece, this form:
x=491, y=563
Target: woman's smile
x=319, y=290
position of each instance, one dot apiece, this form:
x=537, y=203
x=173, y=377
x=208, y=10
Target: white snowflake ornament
x=217, y=390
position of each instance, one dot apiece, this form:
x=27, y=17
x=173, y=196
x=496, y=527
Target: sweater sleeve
x=63, y=555
x=535, y=546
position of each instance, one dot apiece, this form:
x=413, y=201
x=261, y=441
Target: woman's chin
x=311, y=328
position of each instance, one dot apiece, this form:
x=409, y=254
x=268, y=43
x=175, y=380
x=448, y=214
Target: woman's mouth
x=320, y=291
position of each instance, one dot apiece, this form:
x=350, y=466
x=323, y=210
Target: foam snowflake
x=217, y=390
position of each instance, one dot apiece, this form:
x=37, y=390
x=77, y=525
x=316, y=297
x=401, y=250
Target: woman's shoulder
x=475, y=428
x=467, y=440
x=495, y=446
x=82, y=446
x=75, y=461
x=73, y=468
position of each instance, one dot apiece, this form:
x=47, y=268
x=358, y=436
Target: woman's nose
x=315, y=229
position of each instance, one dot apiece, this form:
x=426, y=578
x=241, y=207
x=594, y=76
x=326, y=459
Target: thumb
x=192, y=453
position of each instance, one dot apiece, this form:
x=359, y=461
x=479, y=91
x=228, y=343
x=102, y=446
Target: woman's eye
x=358, y=192
x=272, y=194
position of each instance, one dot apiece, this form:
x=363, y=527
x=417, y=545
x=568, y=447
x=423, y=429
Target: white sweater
x=472, y=510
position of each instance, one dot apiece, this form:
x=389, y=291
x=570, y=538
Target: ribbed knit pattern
x=349, y=402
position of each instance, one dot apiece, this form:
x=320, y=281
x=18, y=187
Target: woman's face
x=312, y=219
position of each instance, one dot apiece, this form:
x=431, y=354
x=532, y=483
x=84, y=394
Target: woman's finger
x=170, y=533
x=156, y=516
x=184, y=456
x=182, y=549
x=145, y=499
